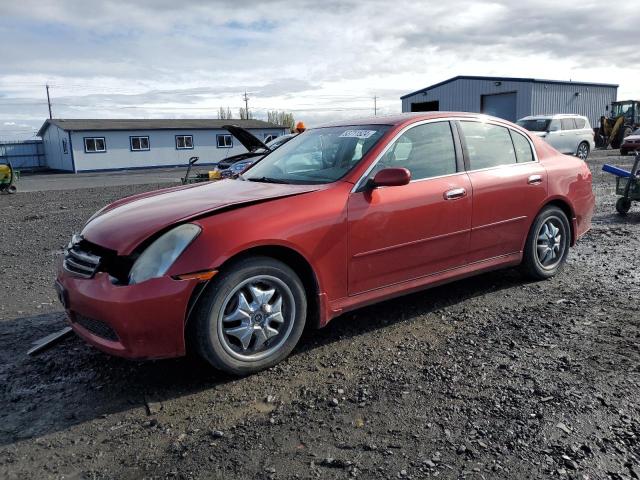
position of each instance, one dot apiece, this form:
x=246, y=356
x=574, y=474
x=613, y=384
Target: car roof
x=405, y=118
x=552, y=116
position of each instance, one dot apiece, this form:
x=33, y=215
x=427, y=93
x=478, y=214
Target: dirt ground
x=491, y=377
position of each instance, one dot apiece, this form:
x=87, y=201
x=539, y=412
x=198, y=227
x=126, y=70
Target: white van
x=570, y=134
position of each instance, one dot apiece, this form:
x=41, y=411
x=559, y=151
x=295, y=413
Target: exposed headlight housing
x=160, y=255
x=239, y=167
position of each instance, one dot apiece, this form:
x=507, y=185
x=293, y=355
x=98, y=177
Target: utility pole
x=49, y=102
x=375, y=105
x=246, y=104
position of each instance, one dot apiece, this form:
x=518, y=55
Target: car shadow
x=74, y=383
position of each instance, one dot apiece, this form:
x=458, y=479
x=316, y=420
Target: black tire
x=624, y=153
x=583, y=150
x=208, y=331
x=623, y=205
x=533, y=265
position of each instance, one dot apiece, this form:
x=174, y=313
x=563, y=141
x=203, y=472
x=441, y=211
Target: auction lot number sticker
x=357, y=133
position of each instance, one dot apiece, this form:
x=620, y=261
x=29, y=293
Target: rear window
x=567, y=124
x=535, y=124
x=487, y=145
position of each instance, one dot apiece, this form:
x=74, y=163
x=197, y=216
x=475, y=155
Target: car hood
x=123, y=225
x=632, y=137
x=246, y=138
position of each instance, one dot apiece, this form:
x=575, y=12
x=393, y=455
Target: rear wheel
x=547, y=244
x=251, y=317
x=623, y=205
x=583, y=151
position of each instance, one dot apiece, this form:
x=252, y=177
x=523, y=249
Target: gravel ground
x=491, y=377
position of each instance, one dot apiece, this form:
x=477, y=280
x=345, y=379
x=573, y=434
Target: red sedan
x=341, y=216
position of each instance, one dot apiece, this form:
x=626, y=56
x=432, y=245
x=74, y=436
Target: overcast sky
x=318, y=59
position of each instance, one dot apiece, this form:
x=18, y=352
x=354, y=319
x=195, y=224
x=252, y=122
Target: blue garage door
x=501, y=105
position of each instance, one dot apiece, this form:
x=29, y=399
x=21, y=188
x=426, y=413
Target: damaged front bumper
x=141, y=321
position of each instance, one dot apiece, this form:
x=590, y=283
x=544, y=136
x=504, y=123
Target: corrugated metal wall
x=561, y=98
x=533, y=98
x=25, y=154
x=465, y=95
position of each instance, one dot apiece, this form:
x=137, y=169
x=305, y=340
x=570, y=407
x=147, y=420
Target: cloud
x=321, y=60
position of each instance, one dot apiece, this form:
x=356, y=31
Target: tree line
x=283, y=119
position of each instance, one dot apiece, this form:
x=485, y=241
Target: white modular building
x=83, y=145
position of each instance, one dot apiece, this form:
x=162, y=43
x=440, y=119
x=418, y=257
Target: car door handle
x=455, y=193
x=534, y=179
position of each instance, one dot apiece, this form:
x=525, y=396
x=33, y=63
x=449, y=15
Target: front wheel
x=251, y=317
x=547, y=244
x=583, y=151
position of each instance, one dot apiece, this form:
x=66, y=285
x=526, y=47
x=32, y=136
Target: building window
x=184, y=142
x=139, y=144
x=224, y=141
x=65, y=147
x=94, y=145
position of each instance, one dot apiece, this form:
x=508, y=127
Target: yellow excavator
x=8, y=177
x=624, y=119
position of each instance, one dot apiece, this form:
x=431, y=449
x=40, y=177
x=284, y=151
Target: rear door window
x=487, y=145
x=580, y=122
x=522, y=146
x=567, y=124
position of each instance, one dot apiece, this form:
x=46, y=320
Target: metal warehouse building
x=513, y=98
x=88, y=145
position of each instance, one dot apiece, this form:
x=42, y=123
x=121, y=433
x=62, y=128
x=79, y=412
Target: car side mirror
x=391, y=177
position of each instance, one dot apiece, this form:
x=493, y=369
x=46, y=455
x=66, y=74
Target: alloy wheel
x=583, y=151
x=550, y=244
x=256, y=318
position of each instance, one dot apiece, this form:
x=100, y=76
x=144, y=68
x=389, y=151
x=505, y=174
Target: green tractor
x=624, y=119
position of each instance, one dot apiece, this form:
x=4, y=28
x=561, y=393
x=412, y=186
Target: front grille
x=78, y=261
x=96, y=327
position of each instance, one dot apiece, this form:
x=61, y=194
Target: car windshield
x=535, y=124
x=321, y=155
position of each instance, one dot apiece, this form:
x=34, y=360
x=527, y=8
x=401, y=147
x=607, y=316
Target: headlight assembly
x=160, y=255
x=239, y=167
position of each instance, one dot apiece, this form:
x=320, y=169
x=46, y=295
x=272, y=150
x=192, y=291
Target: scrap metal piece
x=50, y=340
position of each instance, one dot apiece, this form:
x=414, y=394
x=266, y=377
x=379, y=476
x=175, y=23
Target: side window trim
x=465, y=150
x=362, y=182
x=463, y=145
x=454, y=121
x=457, y=144
x=513, y=134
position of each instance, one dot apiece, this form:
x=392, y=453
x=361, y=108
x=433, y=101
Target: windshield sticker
x=357, y=133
